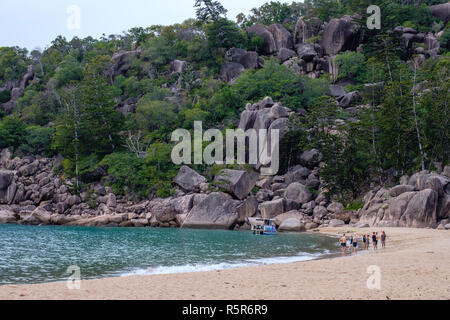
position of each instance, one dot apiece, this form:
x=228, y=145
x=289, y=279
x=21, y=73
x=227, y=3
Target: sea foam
x=189, y=268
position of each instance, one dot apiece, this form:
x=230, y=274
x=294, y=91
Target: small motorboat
x=260, y=226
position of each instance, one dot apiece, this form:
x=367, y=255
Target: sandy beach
x=415, y=265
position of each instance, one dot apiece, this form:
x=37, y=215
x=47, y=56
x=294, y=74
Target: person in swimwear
x=383, y=239
x=343, y=242
x=374, y=241
x=355, y=243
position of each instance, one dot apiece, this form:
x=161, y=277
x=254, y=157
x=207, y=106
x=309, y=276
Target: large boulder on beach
x=7, y=216
x=293, y=225
x=42, y=215
x=237, y=182
x=336, y=208
x=293, y=214
x=189, y=179
x=163, y=210
x=184, y=204
x=444, y=207
x=98, y=221
x=335, y=223
x=413, y=209
x=421, y=209
x=217, y=211
x=247, y=208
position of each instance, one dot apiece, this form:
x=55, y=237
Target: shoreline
x=413, y=266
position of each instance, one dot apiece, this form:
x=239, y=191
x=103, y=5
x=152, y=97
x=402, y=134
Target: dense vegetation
x=72, y=109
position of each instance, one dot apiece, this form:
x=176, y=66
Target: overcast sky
x=35, y=23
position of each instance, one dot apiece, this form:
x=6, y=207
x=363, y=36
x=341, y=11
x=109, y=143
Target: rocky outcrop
x=122, y=61
x=269, y=45
x=422, y=202
x=189, y=179
x=178, y=66
x=230, y=71
x=298, y=192
x=292, y=224
x=310, y=158
x=18, y=92
x=349, y=99
x=265, y=114
x=271, y=209
x=306, y=29
x=32, y=194
x=306, y=52
x=285, y=54
x=441, y=11
x=340, y=35
x=238, y=60
x=238, y=182
x=251, y=60
x=282, y=37
x=217, y=211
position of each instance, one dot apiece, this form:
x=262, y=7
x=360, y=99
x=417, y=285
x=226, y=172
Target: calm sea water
x=30, y=254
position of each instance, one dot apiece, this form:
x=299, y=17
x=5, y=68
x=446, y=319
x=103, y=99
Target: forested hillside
x=374, y=103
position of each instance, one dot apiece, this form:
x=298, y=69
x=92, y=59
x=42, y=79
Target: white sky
x=35, y=23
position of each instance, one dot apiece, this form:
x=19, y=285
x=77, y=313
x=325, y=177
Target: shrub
x=127, y=173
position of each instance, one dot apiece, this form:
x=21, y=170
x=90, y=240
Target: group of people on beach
x=353, y=242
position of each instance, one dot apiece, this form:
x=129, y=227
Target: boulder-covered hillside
x=363, y=114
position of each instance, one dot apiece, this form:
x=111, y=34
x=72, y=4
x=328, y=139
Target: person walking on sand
x=343, y=242
x=364, y=242
x=368, y=242
x=355, y=243
x=383, y=239
x=351, y=244
x=374, y=241
x=378, y=239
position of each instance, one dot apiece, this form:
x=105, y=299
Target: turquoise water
x=30, y=254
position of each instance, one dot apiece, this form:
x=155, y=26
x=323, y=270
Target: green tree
x=208, y=10
x=224, y=33
x=13, y=63
x=38, y=140
x=160, y=169
x=351, y=66
x=127, y=173
x=154, y=115
x=12, y=132
x=99, y=115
